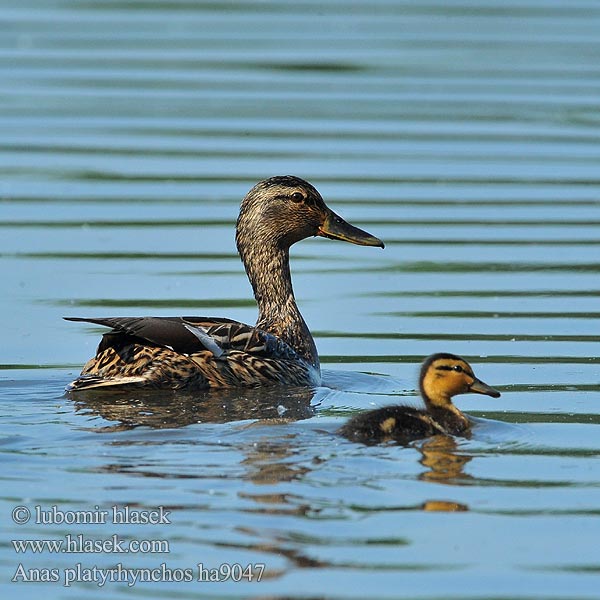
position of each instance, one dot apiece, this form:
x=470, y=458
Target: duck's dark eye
x=458, y=369
x=297, y=197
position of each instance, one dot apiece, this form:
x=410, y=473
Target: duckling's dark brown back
x=401, y=424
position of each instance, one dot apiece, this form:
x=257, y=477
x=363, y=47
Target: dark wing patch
x=168, y=332
x=188, y=335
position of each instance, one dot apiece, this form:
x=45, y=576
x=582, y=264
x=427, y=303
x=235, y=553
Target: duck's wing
x=189, y=335
x=180, y=351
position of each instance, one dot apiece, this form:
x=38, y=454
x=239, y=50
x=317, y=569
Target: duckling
x=209, y=352
x=442, y=377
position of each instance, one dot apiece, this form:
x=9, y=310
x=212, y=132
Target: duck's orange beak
x=335, y=228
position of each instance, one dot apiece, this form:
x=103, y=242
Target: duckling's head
x=283, y=210
x=446, y=375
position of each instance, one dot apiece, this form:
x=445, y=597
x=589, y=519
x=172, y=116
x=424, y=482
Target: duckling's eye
x=458, y=369
x=297, y=197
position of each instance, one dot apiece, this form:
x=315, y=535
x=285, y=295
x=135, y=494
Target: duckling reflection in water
x=444, y=462
x=442, y=377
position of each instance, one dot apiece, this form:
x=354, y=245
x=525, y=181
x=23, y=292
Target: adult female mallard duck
x=207, y=352
x=442, y=377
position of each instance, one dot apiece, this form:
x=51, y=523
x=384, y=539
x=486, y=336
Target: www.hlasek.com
x=80, y=544
x=131, y=576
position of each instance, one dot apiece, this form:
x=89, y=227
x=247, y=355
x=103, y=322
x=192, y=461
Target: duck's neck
x=447, y=415
x=268, y=269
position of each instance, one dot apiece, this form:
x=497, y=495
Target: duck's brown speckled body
x=205, y=352
x=442, y=377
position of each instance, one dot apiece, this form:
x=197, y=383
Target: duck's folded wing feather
x=188, y=335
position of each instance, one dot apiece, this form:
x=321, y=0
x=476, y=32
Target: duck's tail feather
x=89, y=382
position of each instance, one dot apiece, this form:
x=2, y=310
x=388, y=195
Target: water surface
x=465, y=135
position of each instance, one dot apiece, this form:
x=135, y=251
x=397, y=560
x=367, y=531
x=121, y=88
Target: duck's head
x=446, y=375
x=283, y=210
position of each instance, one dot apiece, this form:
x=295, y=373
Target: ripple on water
x=464, y=135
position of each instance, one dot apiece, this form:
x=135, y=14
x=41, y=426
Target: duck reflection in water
x=161, y=409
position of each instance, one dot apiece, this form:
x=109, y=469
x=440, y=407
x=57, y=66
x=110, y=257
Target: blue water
x=464, y=134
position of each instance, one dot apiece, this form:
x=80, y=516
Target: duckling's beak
x=478, y=387
x=335, y=228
